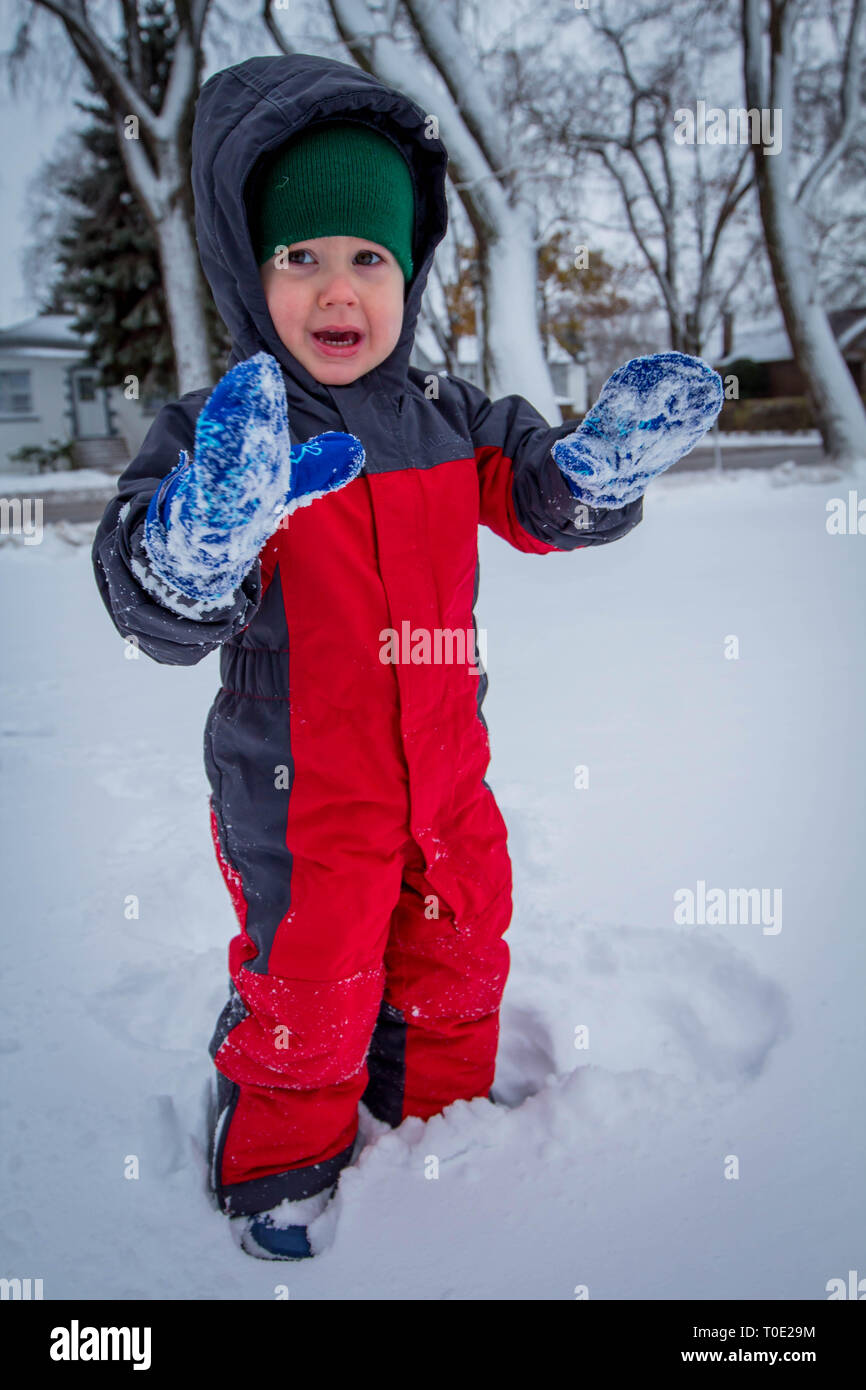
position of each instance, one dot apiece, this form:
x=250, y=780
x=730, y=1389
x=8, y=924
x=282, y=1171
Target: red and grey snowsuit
x=362, y=847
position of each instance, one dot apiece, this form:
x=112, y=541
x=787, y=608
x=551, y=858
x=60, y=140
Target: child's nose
x=338, y=290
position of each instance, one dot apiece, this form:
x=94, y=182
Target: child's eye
x=304, y=251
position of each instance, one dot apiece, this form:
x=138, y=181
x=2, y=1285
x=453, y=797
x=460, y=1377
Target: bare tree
x=786, y=195
x=155, y=149
x=427, y=50
x=835, y=210
x=681, y=202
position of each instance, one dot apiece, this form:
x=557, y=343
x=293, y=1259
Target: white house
x=569, y=377
x=48, y=393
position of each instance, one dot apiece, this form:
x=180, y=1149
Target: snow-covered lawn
x=65, y=480
x=710, y=1046
x=749, y=439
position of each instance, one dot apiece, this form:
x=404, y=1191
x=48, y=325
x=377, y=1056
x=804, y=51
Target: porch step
x=109, y=453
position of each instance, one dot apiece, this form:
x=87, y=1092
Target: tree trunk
x=157, y=162
x=836, y=402
x=510, y=347
x=512, y=358
x=184, y=297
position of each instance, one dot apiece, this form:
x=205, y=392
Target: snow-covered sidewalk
x=711, y=1047
x=64, y=480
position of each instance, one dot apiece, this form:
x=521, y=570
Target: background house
x=769, y=347
x=48, y=393
x=569, y=377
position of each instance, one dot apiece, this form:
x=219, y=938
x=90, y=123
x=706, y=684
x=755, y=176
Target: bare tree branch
x=850, y=105
x=157, y=158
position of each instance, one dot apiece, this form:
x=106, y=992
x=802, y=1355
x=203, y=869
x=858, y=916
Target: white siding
x=48, y=418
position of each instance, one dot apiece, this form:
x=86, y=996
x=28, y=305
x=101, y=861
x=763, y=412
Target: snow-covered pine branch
x=154, y=148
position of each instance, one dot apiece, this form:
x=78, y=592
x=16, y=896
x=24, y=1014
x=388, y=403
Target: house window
x=560, y=377
x=15, y=393
x=86, y=388
x=153, y=401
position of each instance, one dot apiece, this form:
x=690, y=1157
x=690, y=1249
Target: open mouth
x=349, y=336
x=338, y=341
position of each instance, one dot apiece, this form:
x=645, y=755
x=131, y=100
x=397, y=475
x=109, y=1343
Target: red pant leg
x=290, y=1049
x=446, y=967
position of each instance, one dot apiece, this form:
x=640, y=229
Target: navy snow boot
x=281, y=1233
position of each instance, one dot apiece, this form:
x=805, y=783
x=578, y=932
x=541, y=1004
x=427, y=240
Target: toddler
x=315, y=516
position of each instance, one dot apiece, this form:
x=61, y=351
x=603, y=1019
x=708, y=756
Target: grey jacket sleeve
x=168, y=626
x=524, y=497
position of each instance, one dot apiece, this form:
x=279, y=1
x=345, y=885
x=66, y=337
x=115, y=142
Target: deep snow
x=606, y=1167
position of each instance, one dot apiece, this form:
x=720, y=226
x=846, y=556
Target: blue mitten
x=212, y=514
x=651, y=412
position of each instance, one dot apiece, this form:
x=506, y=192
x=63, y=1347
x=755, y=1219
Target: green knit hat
x=336, y=179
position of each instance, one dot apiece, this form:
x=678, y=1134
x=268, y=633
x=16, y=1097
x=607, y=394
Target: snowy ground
x=606, y=1167
x=66, y=480
x=747, y=439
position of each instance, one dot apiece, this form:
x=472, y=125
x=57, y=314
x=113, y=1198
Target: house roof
x=760, y=343
x=44, y=331
x=427, y=350
x=843, y=319
x=769, y=341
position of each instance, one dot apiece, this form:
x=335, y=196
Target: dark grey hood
x=247, y=110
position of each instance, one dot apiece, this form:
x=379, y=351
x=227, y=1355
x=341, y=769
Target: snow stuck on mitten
x=208, y=522
x=650, y=413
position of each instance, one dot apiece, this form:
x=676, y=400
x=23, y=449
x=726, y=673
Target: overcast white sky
x=32, y=126
x=42, y=109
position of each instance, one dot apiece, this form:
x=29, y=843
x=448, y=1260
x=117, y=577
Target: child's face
x=335, y=282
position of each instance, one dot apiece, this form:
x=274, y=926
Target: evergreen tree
x=107, y=263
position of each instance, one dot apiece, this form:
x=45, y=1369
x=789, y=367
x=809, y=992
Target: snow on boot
x=281, y=1232
x=650, y=413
